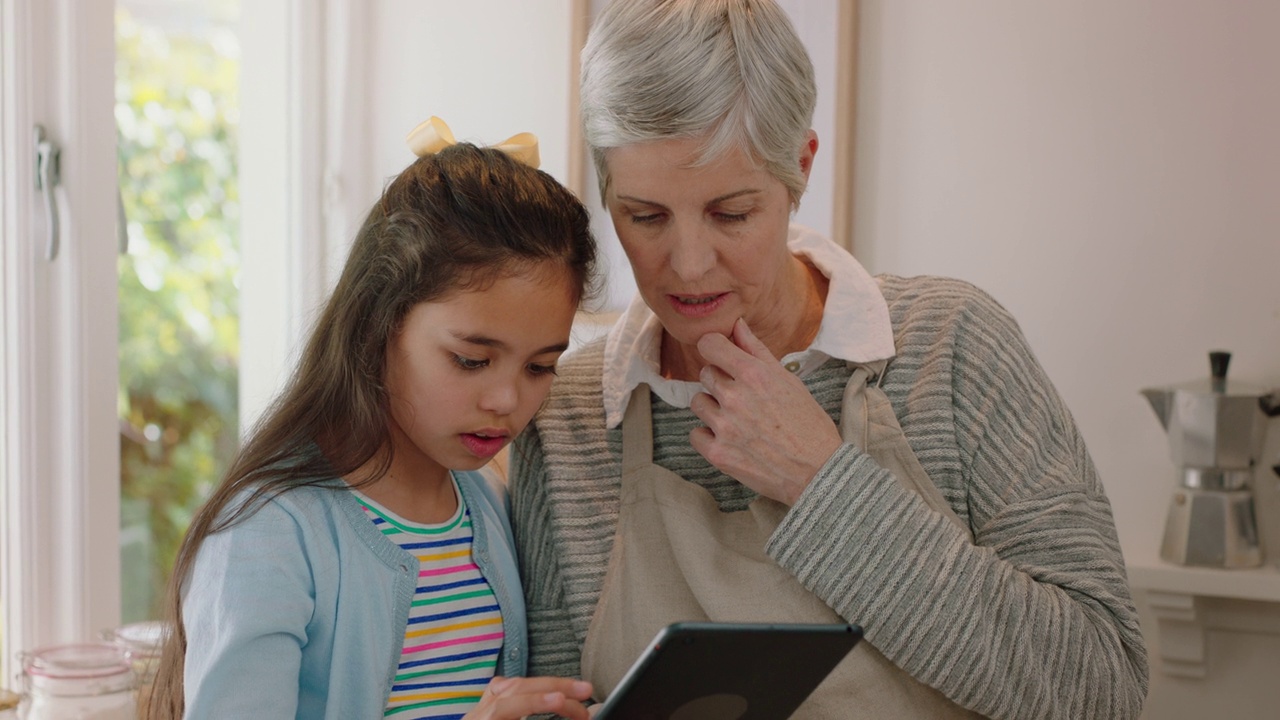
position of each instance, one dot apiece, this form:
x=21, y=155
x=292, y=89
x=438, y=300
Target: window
x=322, y=119
x=177, y=114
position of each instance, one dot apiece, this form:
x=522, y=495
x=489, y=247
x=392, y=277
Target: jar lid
x=140, y=638
x=86, y=661
x=8, y=699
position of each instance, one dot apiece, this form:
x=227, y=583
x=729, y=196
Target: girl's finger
x=515, y=707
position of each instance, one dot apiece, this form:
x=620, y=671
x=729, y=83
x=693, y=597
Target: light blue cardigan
x=299, y=610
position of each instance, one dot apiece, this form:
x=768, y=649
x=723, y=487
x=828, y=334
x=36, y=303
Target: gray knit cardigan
x=1031, y=619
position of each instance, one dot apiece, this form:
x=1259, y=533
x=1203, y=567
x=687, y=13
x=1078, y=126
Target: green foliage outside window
x=177, y=113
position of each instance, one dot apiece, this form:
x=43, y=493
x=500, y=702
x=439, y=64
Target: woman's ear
x=807, y=151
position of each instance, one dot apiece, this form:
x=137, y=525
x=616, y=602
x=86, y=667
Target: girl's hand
x=514, y=698
x=763, y=428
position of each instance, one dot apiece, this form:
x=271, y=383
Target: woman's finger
x=747, y=340
x=720, y=351
x=708, y=376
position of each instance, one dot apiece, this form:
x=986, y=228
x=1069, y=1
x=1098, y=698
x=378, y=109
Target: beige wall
x=1111, y=173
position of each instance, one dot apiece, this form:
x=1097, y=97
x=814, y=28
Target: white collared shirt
x=855, y=328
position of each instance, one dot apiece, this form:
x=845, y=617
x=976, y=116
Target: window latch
x=48, y=176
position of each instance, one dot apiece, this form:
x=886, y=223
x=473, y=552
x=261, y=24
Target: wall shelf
x=1261, y=583
x=1187, y=602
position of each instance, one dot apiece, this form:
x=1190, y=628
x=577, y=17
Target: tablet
x=728, y=671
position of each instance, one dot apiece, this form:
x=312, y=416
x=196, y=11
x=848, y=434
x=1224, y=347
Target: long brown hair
x=451, y=221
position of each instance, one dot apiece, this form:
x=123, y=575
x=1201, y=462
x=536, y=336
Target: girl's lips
x=697, y=306
x=483, y=446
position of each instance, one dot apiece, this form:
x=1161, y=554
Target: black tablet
x=728, y=671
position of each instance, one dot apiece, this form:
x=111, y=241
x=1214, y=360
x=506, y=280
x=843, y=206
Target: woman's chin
x=686, y=332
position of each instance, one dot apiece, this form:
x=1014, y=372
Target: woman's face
x=708, y=245
x=466, y=373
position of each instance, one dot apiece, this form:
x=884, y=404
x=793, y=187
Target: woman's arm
x=1036, y=619
x=554, y=649
x=245, y=611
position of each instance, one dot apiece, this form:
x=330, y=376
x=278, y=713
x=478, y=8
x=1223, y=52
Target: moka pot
x=1216, y=430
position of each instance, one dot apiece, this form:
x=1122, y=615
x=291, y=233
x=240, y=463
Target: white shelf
x=1188, y=602
x=1260, y=583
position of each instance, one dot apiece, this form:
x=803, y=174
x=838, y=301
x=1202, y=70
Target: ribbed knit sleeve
x=1035, y=620
x=553, y=648
x=565, y=512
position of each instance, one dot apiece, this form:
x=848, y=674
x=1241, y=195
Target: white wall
x=330, y=91
x=1110, y=172
x=489, y=68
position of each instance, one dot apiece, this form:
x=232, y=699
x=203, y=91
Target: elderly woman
x=770, y=434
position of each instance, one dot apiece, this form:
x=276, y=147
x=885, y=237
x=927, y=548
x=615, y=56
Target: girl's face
x=466, y=373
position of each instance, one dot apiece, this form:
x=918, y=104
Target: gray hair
x=731, y=71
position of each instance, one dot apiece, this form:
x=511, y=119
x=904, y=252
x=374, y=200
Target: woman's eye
x=535, y=369
x=732, y=217
x=649, y=219
x=467, y=363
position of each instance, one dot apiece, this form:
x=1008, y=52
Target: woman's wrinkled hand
x=763, y=428
x=510, y=698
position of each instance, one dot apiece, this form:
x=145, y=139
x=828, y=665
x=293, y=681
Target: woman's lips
x=697, y=306
x=483, y=445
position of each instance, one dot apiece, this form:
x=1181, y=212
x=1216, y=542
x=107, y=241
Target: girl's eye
x=732, y=217
x=467, y=363
x=542, y=369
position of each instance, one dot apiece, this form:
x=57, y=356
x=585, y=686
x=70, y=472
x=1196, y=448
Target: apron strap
x=637, y=430
x=866, y=405
x=855, y=413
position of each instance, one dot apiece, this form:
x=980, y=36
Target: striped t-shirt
x=454, y=635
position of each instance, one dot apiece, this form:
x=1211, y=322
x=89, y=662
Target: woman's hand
x=763, y=428
x=513, y=698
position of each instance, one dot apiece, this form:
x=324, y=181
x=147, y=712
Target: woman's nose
x=692, y=254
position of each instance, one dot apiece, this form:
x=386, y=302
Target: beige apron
x=676, y=557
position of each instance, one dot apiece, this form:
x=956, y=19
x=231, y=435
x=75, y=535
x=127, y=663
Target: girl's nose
x=501, y=397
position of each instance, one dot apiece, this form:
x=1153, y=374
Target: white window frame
x=283, y=248
x=59, y=505
x=59, y=376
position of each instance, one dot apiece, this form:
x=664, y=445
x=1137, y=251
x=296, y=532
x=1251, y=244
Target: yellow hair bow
x=432, y=136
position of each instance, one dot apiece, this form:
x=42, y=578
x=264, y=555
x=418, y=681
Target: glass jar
x=142, y=643
x=91, y=681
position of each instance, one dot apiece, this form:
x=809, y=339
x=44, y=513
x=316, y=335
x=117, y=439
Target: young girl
x=353, y=563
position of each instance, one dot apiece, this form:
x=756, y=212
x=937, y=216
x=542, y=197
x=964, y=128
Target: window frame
x=59, y=427
x=59, y=557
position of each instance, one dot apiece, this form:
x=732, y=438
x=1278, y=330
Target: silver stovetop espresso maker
x=1216, y=431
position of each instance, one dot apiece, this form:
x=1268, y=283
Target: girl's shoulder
x=484, y=485
x=302, y=505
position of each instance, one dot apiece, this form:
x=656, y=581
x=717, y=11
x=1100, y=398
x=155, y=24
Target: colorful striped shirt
x=454, y=635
